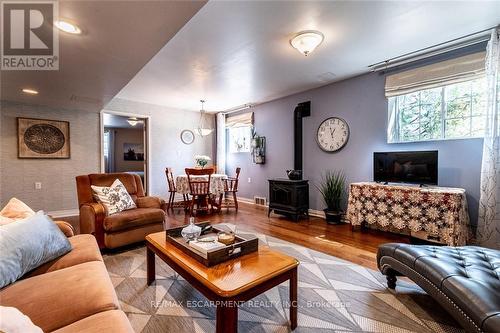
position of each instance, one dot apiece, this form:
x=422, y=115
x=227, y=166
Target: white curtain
x=221, y=143
x=240, y=120
x=442, y=73
x=109, y=156
x=488, y=232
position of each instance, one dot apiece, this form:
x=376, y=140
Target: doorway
x=124, y=144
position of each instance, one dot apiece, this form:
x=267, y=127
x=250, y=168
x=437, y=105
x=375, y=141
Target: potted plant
x=332, y=189
x=201, y=160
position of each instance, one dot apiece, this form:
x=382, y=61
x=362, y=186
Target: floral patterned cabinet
x=440, y=212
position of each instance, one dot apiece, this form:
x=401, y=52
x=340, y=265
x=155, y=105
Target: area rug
x=334, y=296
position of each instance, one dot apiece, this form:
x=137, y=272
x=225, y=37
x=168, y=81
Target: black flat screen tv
x=413, y=167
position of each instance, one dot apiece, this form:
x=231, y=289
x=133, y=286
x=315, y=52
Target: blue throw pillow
x=27, y=244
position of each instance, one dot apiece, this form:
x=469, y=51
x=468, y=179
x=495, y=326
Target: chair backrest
x=132, y=183
x=170, y=180
x=231, y=184
x=199, y=185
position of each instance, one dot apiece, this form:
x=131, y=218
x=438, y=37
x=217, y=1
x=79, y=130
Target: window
x=106, y=143
x=239, y=139
x=449, y=112
x=239, y=132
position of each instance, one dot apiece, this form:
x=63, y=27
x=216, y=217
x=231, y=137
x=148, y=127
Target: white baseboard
x=63, y=213
x=312, y=212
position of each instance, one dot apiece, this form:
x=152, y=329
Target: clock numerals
x=332, y=134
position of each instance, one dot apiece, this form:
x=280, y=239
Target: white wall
x=166, y=147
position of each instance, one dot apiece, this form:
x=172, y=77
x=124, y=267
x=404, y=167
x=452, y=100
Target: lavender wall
x=361, y=102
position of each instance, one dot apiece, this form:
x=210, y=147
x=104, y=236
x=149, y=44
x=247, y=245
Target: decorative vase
x=191, y=232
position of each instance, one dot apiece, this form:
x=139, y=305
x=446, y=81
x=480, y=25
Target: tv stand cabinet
x=436, y=214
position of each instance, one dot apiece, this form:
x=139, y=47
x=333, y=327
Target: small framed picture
x=43, y=138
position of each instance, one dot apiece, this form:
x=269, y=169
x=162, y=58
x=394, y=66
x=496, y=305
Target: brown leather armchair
x=126, y=227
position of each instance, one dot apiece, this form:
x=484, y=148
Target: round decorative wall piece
x=332, y=134
x=44, y=138
x=187, y=137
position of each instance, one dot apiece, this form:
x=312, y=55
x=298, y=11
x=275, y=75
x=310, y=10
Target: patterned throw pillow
x=115, y=198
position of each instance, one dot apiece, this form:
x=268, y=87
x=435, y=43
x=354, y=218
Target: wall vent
x=260, y=201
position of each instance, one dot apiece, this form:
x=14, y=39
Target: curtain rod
x=238, y=108
x=429, y=52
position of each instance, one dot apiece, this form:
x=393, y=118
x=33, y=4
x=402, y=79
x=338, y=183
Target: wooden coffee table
x=229, y=283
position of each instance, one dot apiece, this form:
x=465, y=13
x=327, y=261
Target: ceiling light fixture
x=133, y=121
x=30, y=91
x=306, y=41
x=201, y=129
x=68, y=27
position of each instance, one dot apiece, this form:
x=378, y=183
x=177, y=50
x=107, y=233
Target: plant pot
x=333, y=217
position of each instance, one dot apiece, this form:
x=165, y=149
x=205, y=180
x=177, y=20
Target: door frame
x=147, y=141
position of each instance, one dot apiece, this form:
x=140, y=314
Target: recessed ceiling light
x=306, y=41
x=30, y=91
x=68, y=27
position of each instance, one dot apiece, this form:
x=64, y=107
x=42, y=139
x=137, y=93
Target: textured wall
x=167, y=149
x=361, y=102
x=17, y=176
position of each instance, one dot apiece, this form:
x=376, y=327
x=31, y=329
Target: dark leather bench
x=464, y=280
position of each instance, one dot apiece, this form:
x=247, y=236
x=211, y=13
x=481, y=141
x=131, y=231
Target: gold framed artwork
x=42, y=138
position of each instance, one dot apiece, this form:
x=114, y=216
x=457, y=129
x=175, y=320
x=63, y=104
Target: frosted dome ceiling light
x=68, y=27
x=306, y=41
x=133, y=121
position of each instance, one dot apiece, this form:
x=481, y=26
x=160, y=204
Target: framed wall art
x=42, y=138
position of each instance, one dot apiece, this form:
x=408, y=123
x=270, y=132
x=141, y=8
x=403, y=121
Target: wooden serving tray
x=240, y=247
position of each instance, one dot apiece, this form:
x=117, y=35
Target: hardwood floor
x=359, y=247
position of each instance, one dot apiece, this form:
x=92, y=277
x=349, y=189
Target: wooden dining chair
x=231, y=188
x=172, y=190
x=199, y=188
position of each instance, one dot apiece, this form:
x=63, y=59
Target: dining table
x=217, y=186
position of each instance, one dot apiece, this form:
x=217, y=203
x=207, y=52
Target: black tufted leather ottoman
x=464, y=280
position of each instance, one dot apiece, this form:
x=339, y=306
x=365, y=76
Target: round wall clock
x=333, y=134
x=187, y=136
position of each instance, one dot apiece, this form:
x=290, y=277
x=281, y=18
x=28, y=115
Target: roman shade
x=240, y=120
x=456, y=70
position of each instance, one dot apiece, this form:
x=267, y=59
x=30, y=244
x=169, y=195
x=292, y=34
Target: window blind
x=451, y=71
x=240, y=120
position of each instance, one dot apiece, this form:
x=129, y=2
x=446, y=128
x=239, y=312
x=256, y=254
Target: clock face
x=332, y=134
x=187, y=137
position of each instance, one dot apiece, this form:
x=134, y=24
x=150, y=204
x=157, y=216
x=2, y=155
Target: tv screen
x=414, y=167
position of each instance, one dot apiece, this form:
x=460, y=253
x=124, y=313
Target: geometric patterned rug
x=334, y=296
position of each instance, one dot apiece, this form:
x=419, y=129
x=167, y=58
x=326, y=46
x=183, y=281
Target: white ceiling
x=232, y=53
x=119, y=38
x=116, y=121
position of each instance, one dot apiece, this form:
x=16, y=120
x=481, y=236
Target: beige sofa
x=72, y=293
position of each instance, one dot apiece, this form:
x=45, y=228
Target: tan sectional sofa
x=72, y=293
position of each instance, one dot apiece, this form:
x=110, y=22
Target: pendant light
x=203, y=130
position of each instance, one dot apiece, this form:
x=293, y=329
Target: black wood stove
x=286, y=196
